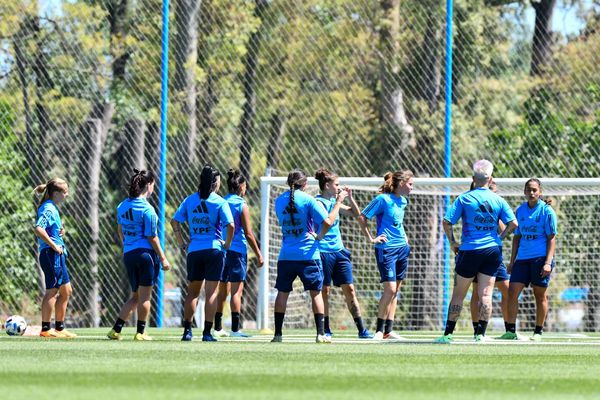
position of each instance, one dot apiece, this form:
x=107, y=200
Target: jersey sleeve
x=318, y=211
x=454, y=211
x=181, y=214
x=551, y=225
x=150, y=223
x=225, y=214
x=45, y=219
x=374, y=208
x=506, y=213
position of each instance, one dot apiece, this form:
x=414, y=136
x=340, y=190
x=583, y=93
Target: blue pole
x=164, y=90
x=447, y=150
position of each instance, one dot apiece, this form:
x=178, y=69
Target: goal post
x=574, y=292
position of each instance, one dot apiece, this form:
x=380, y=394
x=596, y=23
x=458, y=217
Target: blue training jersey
x=535, y=224
x=480, y=209
x=236, y=205
x=205, y=218
x=332, y=242
x=48, y=219
x=138, y=222
x=298, y=243
x=389, y=210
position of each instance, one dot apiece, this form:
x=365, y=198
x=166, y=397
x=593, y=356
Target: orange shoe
x=65, y=334
x=49, y=334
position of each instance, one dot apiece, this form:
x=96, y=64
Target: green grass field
x=561, y=367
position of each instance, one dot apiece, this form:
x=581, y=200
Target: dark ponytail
x=296, y=180
x=139, y=182
x=324, y=176
x=208, y=181
x=235, y=180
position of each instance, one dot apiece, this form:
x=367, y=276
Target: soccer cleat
x=392, y=336
x=114, y=335
x=239, y=334
x=378, y=336
x=65, y=334
x=208, y=338
x=187, y=336
x=49, y=334
x=328, y=333
x=221, y=333
x=482, y=339
x=537, y=337
x=365, y=334
x=446, y=339
x=142, y=337
x=509, y=336
x=277, y=339
x=323, y=339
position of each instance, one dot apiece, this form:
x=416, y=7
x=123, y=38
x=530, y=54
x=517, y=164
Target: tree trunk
x=186, y=57
x=246, y=127
x=542, y=36
x=277, y=131
x=117, y=18
x=432, y=73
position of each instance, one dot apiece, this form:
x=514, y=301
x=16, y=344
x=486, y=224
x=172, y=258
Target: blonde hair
x=394, y=179
x=49, y=188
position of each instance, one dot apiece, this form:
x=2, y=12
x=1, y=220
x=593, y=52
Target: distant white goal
x=574, y=290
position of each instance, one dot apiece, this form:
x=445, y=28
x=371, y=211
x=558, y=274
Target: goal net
x=574, y=293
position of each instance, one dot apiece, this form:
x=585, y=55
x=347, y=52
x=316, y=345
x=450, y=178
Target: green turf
x=91, y=367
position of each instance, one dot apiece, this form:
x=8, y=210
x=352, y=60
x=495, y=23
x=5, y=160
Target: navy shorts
x=337, y=267
x=142, y=267
x=235, y=267
x=205, y=264
x=486, y=261
x=529, y=272
x=55, y=270
x=501, y=275
x=309, y=272
x=392, y=263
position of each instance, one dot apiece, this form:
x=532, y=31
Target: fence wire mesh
x=353, y=85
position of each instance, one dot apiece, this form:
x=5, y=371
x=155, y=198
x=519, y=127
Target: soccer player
x=391, y=246
x=142, y=253
x=502, y=278
x=335, y=258
x=53, y=258
x=297, y=212
x=234, y=272
x=479, y=255
x=206, y=213
x=532, y=257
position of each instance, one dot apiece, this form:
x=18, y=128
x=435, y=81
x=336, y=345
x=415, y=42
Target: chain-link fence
x=356, y=86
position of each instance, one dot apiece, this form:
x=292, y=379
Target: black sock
x=207, y=327
x=380, y=323
x=279, y=323
x=326, y=324
x=218, y=324
x=118, y=326
x=141, y=326
x=320, y=324
x=512, y=328
x=389, y=326
x=45, y=326
x=359, y=324
x=59, y=325
x=538, y=330
x=235, y=321
x=506, y=324
x=450, y=325
x=481, y=327
x=187, y=325
x=475, y=323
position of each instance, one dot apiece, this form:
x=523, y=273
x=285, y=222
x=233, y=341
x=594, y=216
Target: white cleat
x=323, y=339
x=393, y=336
x=378, y=336
x=221, y=333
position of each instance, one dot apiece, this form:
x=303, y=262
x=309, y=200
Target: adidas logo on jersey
x=201, y=209
x=128, y=215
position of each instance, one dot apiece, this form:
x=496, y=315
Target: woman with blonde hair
x=53, y=258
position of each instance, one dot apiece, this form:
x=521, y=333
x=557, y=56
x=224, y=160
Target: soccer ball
x=15, y=325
